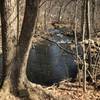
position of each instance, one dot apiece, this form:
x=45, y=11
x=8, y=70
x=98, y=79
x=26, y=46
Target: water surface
x=47, y=63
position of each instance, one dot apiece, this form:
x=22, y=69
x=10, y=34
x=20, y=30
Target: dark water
x=47, y=64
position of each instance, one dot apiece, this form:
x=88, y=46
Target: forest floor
x=64, y=90
x=71, y=91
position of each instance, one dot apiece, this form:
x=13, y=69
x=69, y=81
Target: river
x=47, y=63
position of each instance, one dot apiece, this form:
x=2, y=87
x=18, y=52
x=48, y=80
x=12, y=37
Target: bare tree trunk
x=89, y=37
x=87, y=21
x=15, y=63
x=45, y=17
x=20, y=60
x=9, y=32
x=92, y=13
x=60, y=10
x=59, y=13
x=84, y=51
x=82, y=15
x=84, y=62
x=76, y=42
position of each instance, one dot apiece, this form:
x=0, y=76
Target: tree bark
x=9, y=32
x=76, y=42
x=83, y=45
x=18, y=74
x=15, y=63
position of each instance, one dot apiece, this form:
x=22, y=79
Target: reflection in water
x=47, y=64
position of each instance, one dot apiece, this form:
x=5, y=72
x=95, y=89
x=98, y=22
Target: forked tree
x=15, y=54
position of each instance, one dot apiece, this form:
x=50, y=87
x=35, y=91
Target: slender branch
x=67, y=51
x=43, y=3
x=58, y=45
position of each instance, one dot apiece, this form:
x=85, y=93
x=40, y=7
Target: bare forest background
x=25, y=24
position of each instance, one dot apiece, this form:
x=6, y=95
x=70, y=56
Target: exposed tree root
x=37, y=92
x=30, y=91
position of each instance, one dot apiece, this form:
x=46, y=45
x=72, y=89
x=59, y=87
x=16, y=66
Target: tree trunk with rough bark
x=9, y=32
x=15, y=54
